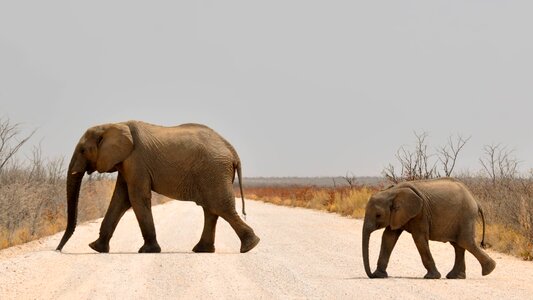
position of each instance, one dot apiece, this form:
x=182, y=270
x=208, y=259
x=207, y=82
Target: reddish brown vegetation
x=349, y=201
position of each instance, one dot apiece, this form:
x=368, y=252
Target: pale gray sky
x=300, y=88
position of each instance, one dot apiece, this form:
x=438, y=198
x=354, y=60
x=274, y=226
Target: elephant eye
x=82, y=150
x=378, y=216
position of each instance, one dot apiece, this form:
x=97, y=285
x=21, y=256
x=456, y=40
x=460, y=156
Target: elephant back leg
x=468, y=242
x=207, y=241
x=246, y=234
x=459, y=268
x=226, y=209
x=220, y=200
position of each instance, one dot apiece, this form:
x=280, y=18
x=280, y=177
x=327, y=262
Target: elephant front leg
x=120, y=203
x=459, y=268
x=388, y=241
x=422, y=245
x=140, y=199
x=207, y=241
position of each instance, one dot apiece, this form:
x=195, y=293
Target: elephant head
x=100, y=149
x=392, y=207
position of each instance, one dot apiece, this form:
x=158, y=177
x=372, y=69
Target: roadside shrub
x=347, y=201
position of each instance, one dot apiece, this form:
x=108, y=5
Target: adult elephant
x=188, y=162
x=439, y=210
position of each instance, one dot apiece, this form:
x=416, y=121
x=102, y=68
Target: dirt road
x=302, y=254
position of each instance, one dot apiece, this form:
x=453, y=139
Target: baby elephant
x=439, y=210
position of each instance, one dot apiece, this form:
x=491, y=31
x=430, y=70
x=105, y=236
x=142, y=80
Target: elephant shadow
x=136, y=253
x=390, y=277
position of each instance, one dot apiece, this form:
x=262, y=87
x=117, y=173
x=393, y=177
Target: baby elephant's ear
x=406, y=204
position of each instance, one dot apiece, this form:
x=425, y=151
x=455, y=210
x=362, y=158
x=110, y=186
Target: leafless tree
x=36, y=165
x=11, y=140
x=499, y=163
x=415, y=164
x=525, y=182
x=56, y=170
x=351, y=179
x=419, y=163
x=424, y=168
x=488, y=161
x=390, y=173
x=448, y=153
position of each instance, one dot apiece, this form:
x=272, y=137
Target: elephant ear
x=406, y=204
x=114, y=147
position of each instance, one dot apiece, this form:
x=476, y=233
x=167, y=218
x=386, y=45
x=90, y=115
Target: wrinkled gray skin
x=188, y=162
x=438, y=210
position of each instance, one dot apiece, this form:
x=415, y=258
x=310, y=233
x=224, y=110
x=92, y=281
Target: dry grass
x=507, y=240
x=508, y=209
x=37, y=209
x=342, y=200
x=33, y=210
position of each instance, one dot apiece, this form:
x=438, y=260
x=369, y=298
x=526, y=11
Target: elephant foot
x=99, y=246
x=150, y=248
x=488, y=267
x=432, y=275
x=379, y=274
x=203, y=248
x=456, y=275
x=249, y=243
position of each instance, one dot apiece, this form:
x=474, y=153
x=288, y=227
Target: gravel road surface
x=302, y=254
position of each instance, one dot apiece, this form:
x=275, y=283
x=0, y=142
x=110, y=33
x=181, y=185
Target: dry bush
x=421, y=163
x=95, y=196
x=347, y=201
x=34, y=210
x=4, y=242
x=11, y=141
x=298, y=196
x=320, y=199
x=507, y=199
x=352, y=202
x=508, y=240
x=508, y=207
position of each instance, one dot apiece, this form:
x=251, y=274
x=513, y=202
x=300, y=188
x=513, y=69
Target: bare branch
x=350, y=179
x=390, y=174
x=421, y=164
x=448, y=153
x=10, y=144
x=499, y=163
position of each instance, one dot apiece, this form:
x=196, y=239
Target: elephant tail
x=480, y=210
x=237, y=167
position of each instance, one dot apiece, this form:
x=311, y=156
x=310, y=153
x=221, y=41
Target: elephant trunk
x=74, y=178
x=366, y=238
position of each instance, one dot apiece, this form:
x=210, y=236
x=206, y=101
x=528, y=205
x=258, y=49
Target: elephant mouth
x=90, y=168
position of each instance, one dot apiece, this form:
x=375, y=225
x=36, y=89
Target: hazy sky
x=299, y=88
